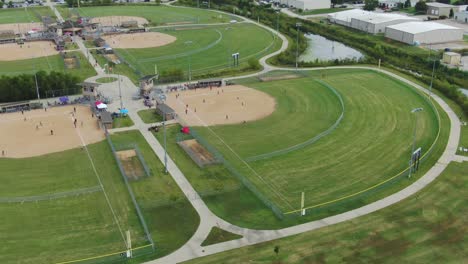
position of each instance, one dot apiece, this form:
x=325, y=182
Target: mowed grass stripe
x=370, y=145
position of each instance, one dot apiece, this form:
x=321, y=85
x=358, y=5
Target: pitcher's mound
x=139, y=40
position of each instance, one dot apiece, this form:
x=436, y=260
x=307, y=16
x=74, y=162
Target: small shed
x=439, y=9
x=89, y=89
x=165, y=110
x=451, y=58
x=106, y=119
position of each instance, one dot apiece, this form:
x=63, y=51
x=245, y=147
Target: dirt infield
x=225, y=105
x=139, y=40
x=29, y=50
x=21, y=27
x=21, y=135
x=118, y=20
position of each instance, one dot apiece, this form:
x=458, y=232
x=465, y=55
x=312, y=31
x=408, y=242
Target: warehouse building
x=375, y=23
x=440, y=9
x=461, y=16
x=415, y=33
x=307, y=4
x=344, y=17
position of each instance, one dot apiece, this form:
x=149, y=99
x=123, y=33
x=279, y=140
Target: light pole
x=414, y=111
x=432, y=77
x=298, y=25
x=277, y=23
x=229, y=51
x=189, y=42
x=164, y=131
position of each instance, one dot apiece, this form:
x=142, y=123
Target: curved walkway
x=192, y=248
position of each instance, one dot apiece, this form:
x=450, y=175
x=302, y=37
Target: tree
x=370, y=5
x=421, y=7
x=451, y=13
x=407, y=3
x=10, y=4
x=276, y=250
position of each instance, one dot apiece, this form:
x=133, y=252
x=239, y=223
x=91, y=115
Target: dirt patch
x=22, y=135
x=22, y=28
x=29, y=50
x=139, y=40
x=224, y=105
x=131, y=164
x=118, y=20
x=197, y=152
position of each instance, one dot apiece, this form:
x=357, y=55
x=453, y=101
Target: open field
x=240, y=206
x=23, y=15
x=430, y=225
x=49, y=63
x=206, y=49
x=217, y=106
x=150, y=116
x=156, y=15
x=53, y=207
x=25, y=135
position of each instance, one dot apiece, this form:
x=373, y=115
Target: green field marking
x=156, y=15
x=374, y=103
x=50, y=196
x=427, y=225
x=218, y=235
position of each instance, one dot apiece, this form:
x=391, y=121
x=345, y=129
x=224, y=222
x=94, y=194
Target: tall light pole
x=298, y=25
x=165, y=144
x=277, y=23
x=414, y=111
x=189, y=42
x=432, y=77
x=229, y=51
x=120, y=93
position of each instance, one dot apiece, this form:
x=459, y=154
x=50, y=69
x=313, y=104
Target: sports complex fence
x=132, y=196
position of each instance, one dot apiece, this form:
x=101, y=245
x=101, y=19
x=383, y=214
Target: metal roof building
x=423, y=33
x=375, y=23
x=440, y=9
x=344, y=17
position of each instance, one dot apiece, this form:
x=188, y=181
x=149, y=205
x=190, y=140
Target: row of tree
x=23, y=87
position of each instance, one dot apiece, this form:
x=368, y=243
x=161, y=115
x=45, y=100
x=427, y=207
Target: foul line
x=52, y=196
x=101, y=256
x=279, y=194
x=102, y=186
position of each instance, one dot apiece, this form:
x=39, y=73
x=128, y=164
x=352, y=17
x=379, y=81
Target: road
x=193, y=249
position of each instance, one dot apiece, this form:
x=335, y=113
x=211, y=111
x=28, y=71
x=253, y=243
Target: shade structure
x=97, y=103
x=185, y=130
x=124, y=111
x=64, y=99
x=101, y=106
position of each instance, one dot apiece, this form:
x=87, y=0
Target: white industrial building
x=375, y=23
x=394, y=3
x=461, y=16
x=414, y=33
x=307, y=4
x=440, y=9
x=366, y=21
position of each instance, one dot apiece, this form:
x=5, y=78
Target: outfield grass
x=428, y=226
x=150, y=116
x=377, y=118
x=156, y=15
x=170, y=217
x=23, y=15
x=210, y=50
x=68, y=228
x=221, y=191
x=218, y=235
x=49, y=63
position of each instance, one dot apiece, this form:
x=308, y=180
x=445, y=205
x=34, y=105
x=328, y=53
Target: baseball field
x=282, y=156
x=23, y=15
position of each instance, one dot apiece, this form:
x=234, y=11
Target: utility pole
x=189, y=42
x=120, y=93
x=432, y=77
x=298, y=25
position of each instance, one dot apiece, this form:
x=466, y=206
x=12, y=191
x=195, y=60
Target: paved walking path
x=192, y=248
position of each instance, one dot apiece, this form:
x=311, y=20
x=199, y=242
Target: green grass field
x=49, y=63
x=228, y=199
x=210, y=49
x=156, y=15
x=218, y=235
x=377, y=117
x=429, y=226
x=67, y=228
x=23, y=15
x=149, y=116
x=321, y=11
x=125, y=121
